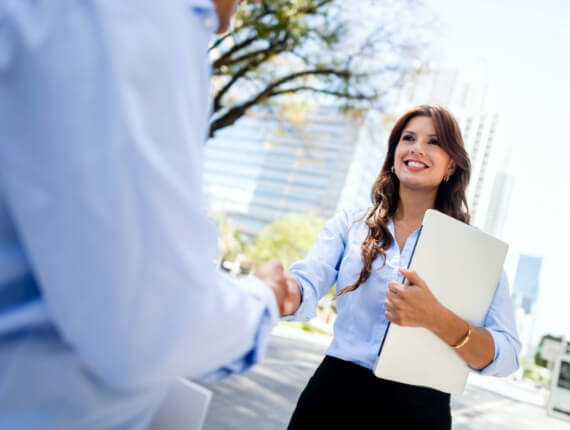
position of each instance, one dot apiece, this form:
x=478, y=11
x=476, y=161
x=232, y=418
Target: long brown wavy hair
x=450, y=197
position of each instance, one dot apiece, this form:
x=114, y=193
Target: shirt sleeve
x=6, y=42
x=500, y=322
x=318, y=272
x=101, y=168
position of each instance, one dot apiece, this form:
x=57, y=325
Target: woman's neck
x=412, y=206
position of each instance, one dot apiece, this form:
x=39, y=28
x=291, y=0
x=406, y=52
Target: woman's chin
x=418, y=185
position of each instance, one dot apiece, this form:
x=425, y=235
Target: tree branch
x=271, y=49
x=266, y=54
x=220, y=39
x=313, y=8
x=233, y=114
x=221, y=60
x=338, y=94
x=236, y=30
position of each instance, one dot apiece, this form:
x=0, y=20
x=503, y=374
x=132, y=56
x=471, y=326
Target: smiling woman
x=426, y=167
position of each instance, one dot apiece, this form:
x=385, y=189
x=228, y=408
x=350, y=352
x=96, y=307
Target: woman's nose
x=418, y=147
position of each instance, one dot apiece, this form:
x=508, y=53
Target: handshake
x=283, y=284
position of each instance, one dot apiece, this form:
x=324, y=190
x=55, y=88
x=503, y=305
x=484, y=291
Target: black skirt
x=345, y=395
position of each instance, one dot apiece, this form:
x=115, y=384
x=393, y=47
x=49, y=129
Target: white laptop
x=462, y=267
x=183, y=408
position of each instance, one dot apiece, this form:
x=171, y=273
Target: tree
x=286, y=240
x=230, y=243
x=344, y=53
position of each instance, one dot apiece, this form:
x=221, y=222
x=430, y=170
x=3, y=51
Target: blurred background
x=304, y=96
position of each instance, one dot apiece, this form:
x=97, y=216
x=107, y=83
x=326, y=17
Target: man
x=108, y=291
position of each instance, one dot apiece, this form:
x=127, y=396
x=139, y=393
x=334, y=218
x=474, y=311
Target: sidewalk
x=296, y=333
x=521, y=391
x=264, y=397
x=521, y=407
x=488, y=403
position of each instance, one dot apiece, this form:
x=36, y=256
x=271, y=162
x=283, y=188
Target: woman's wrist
x=465, y=339
x=449, y=327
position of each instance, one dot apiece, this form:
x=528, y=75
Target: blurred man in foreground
x=108, y=291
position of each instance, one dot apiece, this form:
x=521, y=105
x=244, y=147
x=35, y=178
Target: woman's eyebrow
x=414, y=133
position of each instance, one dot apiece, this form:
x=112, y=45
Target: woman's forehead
x=420, y=124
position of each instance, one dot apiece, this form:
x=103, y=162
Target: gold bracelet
x=464, y=340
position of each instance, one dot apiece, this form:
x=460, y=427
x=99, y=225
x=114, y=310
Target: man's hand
x=413, y=304
x=283, y=284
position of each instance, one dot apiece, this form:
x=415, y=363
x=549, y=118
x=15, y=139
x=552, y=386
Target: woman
x=364, y=253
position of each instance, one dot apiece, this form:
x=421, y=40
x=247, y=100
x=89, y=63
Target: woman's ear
x=451, y=168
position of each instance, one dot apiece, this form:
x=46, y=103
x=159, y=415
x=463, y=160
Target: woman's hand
x=283, y=284
x=292, y=300
x=413, y=304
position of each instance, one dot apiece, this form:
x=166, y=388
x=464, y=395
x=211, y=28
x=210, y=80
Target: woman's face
x=419, y=160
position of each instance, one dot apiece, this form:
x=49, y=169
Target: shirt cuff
x=504, y=362
x=270, y=317
x=261, y=290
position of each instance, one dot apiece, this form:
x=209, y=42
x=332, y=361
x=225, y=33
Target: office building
x=525, y=294
x=269, y=165
x=469, y=96
x=526, y=285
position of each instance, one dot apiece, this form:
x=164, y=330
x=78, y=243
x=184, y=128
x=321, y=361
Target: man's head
x=225, y=10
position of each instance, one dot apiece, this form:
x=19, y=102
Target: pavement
x=264, y=397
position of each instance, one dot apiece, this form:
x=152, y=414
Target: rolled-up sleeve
x=318, y=272
x=500, y=322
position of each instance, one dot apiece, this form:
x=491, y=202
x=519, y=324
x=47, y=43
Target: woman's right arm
x=318, y=272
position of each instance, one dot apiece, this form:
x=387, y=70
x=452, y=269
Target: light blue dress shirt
x=108, y=290
x=360, y=325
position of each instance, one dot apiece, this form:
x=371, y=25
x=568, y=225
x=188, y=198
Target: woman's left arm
x=491, y=349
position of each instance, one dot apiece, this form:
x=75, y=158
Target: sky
x=525, y=48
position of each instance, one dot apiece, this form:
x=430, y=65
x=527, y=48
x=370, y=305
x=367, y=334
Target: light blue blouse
x=360, y=325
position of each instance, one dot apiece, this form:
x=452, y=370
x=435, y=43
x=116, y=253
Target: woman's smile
x=415, y=166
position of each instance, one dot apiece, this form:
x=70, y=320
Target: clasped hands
x=411, y=304
x=283, y=284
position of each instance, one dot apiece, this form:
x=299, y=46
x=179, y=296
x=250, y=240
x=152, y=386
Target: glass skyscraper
x=526, y=285
x=267, y=165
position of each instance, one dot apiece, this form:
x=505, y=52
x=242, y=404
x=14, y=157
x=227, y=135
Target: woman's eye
x=407, y=137
x=434, y=142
